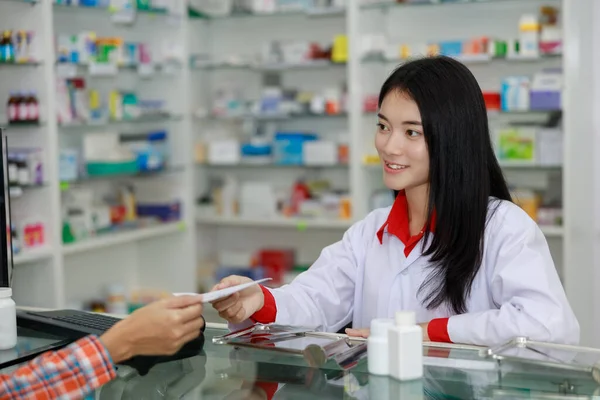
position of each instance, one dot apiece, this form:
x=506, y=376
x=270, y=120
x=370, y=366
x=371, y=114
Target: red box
x=276, y=262
x=492, y=100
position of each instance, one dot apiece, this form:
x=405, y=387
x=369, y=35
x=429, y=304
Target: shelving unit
x=61, y=275
x=166, y=256
x=121, y=238
x=300, y=224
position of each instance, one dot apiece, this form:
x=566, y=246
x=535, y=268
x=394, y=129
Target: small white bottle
x=378, y=346
x=8, y=320
x=406, y=347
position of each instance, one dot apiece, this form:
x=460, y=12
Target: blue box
x=255, y=273
x=451, y=48
x=165, y=212
x=288, y=147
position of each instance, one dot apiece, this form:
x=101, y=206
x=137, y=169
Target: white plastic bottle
x=8, y=320
x=378, y=346
x=529, y=36
x=406, y=347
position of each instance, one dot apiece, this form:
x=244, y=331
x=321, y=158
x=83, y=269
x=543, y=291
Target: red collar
x=397, y=224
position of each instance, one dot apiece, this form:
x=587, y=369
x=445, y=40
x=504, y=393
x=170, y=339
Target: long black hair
x=463, y=172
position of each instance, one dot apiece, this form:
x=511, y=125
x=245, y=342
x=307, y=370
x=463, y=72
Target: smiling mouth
x=395, y=166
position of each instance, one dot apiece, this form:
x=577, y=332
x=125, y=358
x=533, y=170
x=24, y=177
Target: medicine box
x=288, y=147
x=163, y=211
x=546, y=91
x=224, y=152
x=320, y=152
x=550, y=147
x=515, y=93
x=516, y=146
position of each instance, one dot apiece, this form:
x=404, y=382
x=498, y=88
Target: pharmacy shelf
x=32, y=255
x=135, y=175
x=300, y=224
x=470, y=59
x=141, y=120
x=310, y=65
x=286, y=117
x=310, y=13
x=552, y=231
x=19, y=190
x=28, y=2
x=107, y=70
x=386, y=5
x=120, y=238
x=530, y=167
x=107, y=10
x=23, y=64
x=21, y=125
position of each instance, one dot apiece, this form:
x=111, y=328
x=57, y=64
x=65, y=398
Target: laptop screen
x=6, y=250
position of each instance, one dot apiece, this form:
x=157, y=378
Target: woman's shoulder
x=507, y=217
x=371, y=223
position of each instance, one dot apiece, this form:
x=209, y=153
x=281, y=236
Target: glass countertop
x=221, y=371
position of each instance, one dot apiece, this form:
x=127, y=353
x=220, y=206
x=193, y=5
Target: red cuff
x=437, y=330
x=268, y=313
x=269, y=387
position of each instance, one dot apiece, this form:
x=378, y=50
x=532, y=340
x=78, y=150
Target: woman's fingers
x=364, y=333
x=230, y=313
x=227, y=302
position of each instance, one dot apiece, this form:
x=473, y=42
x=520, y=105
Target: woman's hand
x=364, y=333
x=241, y=305
x=160, y=328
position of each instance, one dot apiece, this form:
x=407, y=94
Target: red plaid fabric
x=70, y=373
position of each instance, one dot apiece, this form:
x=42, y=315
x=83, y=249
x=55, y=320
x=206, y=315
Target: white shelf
x=293, y=223
x=552, y=231
x=120, y=238
x=32, y=255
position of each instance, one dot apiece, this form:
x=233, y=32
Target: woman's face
x=401, y=144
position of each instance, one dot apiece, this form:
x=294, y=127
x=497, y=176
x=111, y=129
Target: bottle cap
x=405, y=318
x=380, y=327
x=5, y=292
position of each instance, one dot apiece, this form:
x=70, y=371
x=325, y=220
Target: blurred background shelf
x=300, y=224
x=123, y=237
x=552, y=231
x=28, y=256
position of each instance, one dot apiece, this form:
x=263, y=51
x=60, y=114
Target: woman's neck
x=417, y=199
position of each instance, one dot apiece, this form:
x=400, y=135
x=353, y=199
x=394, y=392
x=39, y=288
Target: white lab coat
x=516, y=292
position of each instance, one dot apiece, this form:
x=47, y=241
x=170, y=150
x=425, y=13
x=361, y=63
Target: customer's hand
x=241, y=305
x=160, y=328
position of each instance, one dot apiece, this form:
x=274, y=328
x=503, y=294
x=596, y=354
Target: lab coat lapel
x=417, y=252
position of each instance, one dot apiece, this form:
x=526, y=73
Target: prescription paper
x=223, y=293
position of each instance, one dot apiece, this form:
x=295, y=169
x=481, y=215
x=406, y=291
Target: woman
x=453, y=247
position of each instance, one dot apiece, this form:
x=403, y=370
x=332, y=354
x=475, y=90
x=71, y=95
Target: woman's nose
x=394, y=144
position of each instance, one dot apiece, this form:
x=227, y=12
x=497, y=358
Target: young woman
x=453, y=247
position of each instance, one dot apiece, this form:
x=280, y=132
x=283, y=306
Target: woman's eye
x=382, y=127
x=412, y=133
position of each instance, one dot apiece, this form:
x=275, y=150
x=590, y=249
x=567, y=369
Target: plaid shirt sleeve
x=70, y=373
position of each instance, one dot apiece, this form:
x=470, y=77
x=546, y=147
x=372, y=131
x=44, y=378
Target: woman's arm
x=525, y=286
x=70, y=373
x=322, y=297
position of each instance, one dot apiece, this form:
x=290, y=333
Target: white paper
x=221, y=294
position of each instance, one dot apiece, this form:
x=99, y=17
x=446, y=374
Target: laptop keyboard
x=87, y=320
